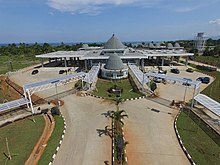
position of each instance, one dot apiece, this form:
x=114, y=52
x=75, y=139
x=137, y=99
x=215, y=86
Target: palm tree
x=117, y=117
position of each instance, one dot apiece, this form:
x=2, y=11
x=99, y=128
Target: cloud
x=189, y=5
x=215, y=22
x=51, y=13
x=94, y=7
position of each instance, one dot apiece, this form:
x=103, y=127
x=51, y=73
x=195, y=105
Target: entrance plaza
x=151, y=136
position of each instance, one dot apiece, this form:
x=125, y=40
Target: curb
x=136, y=98
x=60, y=142
x=181, y=142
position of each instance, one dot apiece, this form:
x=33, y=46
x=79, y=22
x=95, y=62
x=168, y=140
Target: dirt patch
x=12, y=91
x=42, y=142
x=57, y=102
x=8, y=92
x=107, y=102
x=81, y=94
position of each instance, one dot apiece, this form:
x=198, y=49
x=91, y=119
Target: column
x=85, y=64
x=187, y=58
x=142, y=64
x=162, y=62
x=42, y=62
x=65, y=62
x=29, y=96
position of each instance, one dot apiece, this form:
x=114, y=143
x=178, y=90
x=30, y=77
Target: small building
x=114, y=68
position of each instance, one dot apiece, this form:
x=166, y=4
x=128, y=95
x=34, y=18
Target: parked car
x=162, y=71
x=61, y=71
x=187, y=81
x=158, y=80
x=190, y=70
x=204, y=80
x=34, y=72
x=175, y=70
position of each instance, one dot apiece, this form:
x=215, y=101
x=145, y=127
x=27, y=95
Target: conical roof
x=114, y=63
x=177, y=45
x=114, y=43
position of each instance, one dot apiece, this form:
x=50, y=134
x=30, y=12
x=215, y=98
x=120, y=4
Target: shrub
x=55, y=111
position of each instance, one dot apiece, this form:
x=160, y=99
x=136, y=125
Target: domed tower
x=114, y=68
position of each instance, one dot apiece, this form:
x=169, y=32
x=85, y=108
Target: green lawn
x=128, y=91
x=213, y=89
x=211, y=60
x=201, y=147
x=18, y=62
x=53, y=141
x=22, y=137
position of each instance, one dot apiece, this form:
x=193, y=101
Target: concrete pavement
x=151, y=135
x=82, y=143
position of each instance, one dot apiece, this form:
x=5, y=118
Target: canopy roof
x=209, y=103
x=13, y=104
x=114, y=63
x=114, y=43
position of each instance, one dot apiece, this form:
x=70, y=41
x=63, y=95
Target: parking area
x=176, y=91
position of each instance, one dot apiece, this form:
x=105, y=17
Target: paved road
x=82, y=144
x=151, y=135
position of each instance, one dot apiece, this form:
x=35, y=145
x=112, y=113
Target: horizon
x=92, y=21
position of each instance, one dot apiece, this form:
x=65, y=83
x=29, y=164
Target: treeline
x=35, y=49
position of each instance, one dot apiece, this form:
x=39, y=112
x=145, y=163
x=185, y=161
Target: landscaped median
x=128, y=90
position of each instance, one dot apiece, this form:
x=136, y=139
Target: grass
x=22, y=137
x=18, y=62
x=203, y=145
x=199, y=144
x=128, y=90
x=53, y=141
x=211, y=60
x=213, y=89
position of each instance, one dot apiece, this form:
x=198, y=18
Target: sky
x=67, y=21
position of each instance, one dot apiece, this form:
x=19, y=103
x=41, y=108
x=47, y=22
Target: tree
x=117, y=117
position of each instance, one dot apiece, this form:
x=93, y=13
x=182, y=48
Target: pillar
x=162, y=62
x=91, y=62
x=142, y=64
x=194, y=92
x=85, y=64
x=65, y=62
x=31, y=104
x=42, y=62
x=187, y=58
